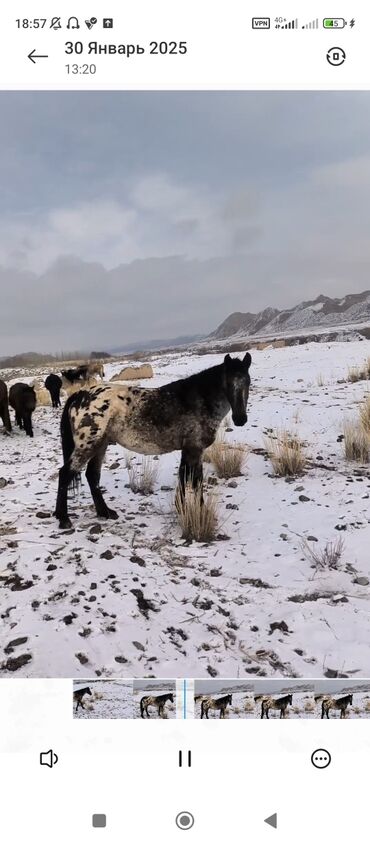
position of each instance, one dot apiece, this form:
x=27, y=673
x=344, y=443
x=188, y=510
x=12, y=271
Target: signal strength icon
x=314, y=24
x=292, y=24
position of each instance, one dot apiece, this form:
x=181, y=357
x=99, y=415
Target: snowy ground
x=68, y=606
x=108, y=700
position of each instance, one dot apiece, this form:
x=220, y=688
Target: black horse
x=78, y=696
x=4, y=407
x=22, y=397
x=184, y=415
x=75, y=375
x=53, y=384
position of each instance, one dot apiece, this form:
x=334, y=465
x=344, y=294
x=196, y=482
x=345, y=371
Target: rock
x=303, y=498
x=15, y=664
x=312, y=539
x=232, y=485
x=131, y=373
x=139, y=646
x=96, y=528
x=120, y=659
x=212, y=671
x=280, y=625
x=3, y=482
x=16, y=642
x=299, y=489
x=42, y=514
x=82, y=658
x=106, y=555
x=231, y=506
x=361, y=581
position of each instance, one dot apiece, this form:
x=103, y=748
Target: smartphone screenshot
x=184, y=421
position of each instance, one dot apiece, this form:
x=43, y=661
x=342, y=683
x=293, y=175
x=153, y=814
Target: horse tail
x=68, y=444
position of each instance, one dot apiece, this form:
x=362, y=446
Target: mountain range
x=320, y=312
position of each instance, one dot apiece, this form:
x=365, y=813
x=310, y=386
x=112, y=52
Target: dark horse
x=184, y=415
x=281, y=704
x=219, y=704
x=53, y=384
x=78, y=696
x=342, y=703
x=4, y=407
x=158, y=702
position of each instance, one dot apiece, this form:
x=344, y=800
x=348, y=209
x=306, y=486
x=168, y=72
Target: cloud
x=127, y=216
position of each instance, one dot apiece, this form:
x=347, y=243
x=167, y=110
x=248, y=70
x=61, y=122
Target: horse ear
x=227, y=359
x=247, y=360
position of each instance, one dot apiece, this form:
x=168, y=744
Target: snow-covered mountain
x=322, y=311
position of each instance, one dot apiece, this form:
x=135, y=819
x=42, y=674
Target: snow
x=69, y=594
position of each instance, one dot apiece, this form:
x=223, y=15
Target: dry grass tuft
x=355, y=373
x=286, y=453
x=142, y=476
x=365, y=415
x=356, y=441
x=324, y=557
x=228, y=459
x=320, y=380
x=198, y=519
x=359, y=372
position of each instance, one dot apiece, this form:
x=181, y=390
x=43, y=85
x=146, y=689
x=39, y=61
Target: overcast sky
x=136, y=216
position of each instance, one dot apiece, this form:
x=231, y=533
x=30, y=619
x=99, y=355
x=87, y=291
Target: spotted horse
x=183, y=415
x=158, y=702
x=220, y=704
x=340, y=704
x=281, y=704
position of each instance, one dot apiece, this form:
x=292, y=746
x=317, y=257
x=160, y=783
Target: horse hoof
x=111, y=513
x=65, y=523
x=108, y=513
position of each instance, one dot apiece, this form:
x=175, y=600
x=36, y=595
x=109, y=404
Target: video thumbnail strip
x=188, y=699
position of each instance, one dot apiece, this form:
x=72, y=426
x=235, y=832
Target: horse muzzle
x=239, y=419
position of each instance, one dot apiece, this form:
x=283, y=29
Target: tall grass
x=142, y=476
x=228, y=458
x=286, y=453
x=197, y=513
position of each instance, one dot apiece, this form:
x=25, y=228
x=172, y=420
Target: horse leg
x=28, y=424
x=191, y=469
x=66, y=476
x=93, y=472
x=4, y=413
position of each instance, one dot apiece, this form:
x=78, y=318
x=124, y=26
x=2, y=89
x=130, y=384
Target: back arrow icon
x=32, y=56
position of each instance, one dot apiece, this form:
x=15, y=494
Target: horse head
x=237, y=383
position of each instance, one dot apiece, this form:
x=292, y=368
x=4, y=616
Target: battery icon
x=334, y=23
